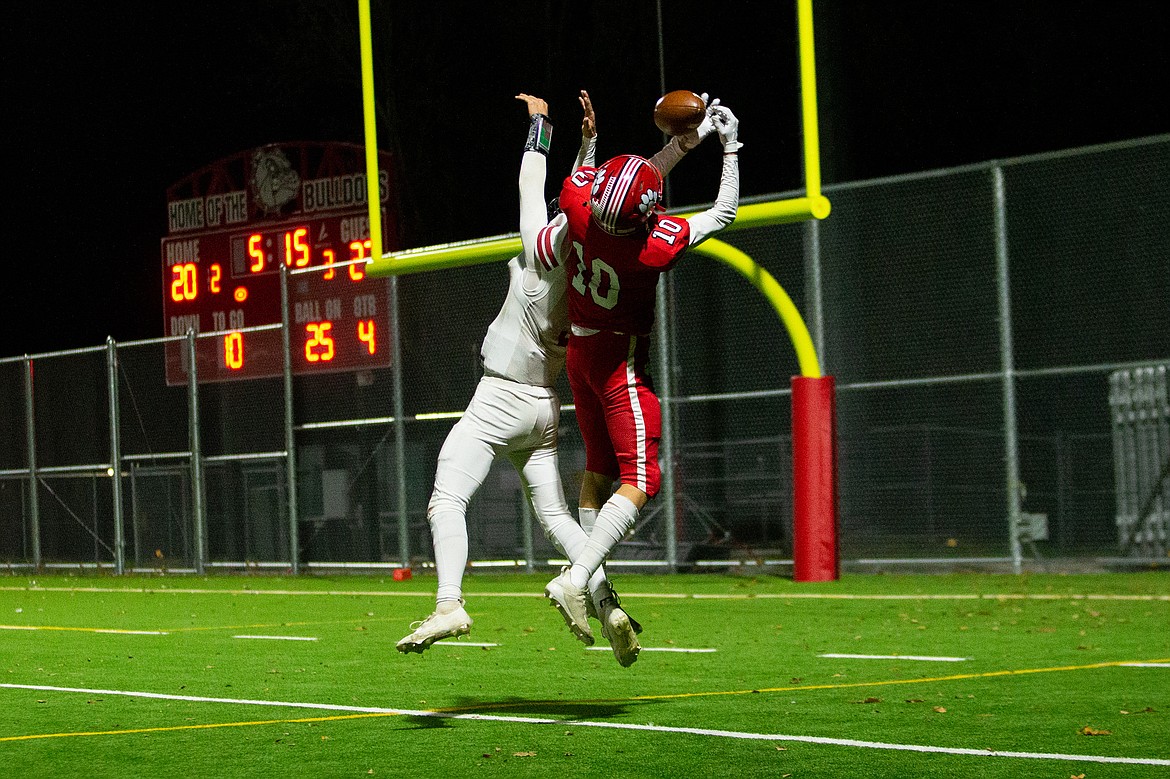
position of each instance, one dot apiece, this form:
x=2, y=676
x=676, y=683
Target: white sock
x=599, y=588
x=588, y=519
x=449, y=537
x=565, y=533
x=598, y=582
x=616, y=518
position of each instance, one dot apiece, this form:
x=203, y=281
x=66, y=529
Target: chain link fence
x=980, y=323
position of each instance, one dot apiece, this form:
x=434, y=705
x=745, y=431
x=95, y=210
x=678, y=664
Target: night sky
x=106, y=105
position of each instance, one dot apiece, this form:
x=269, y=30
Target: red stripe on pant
x=617, y=411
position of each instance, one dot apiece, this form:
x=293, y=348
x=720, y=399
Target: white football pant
x=503, y=418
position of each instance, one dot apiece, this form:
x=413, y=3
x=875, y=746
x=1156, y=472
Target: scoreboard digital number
x=236, y=226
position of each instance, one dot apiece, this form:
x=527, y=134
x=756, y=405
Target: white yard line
x=732, y=734
x=897, y=657
x=657, y=649
x=282, y=638
x=132, y=632
x=1145, y=665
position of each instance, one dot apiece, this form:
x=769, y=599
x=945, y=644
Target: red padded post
x=814, y=465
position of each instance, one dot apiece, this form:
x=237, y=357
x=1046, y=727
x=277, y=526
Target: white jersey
x=526, y=342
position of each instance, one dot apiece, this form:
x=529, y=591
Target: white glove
x=692, y=139
x=727, y=126
x=706, y=127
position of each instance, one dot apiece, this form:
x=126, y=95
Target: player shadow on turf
x=567, y=711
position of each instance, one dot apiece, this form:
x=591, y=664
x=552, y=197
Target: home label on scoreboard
x=234, y=226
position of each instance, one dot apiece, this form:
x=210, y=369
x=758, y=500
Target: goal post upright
x=369, y=122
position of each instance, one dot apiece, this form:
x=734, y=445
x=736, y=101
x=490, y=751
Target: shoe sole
x=582, y=635
x=626, y=653
x=406, y=647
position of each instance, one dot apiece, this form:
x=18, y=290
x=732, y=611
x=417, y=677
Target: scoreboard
x=236, y=227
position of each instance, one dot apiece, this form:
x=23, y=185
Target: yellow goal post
x=812, y=205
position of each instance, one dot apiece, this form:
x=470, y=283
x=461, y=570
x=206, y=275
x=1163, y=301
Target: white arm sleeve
x=718, y=216
x=587, y=154
x=532, y=209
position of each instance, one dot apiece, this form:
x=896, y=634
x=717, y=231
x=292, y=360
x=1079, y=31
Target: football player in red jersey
x=617, y=242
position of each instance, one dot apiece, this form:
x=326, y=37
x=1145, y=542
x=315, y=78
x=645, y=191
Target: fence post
x=665, y=385
x=116, y=456
x=196, y=446
x=1007, y=367
x=399, y=427
x=34, y=504
x=290, y=443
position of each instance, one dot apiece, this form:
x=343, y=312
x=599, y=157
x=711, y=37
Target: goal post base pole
x=815, y=549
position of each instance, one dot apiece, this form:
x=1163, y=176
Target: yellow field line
x=190, y=629
x=198, y=727
x=949, y=678
x=86, y=630
x=363, y=620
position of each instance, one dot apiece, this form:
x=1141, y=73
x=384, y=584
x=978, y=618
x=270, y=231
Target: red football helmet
x=626, y=191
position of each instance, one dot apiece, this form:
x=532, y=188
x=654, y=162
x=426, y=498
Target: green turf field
x=977, y=676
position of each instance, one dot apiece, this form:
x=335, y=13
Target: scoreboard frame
x=282, y=215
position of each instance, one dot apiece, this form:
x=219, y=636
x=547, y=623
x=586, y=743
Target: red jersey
x=614, y=277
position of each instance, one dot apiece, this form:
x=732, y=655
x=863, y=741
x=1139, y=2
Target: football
x=679, y=112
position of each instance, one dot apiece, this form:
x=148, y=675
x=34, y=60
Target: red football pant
x=618, y=413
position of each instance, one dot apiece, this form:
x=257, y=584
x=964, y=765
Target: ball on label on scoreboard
x=679, y=112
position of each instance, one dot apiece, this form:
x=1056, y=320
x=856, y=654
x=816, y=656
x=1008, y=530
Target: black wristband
x=539, y=134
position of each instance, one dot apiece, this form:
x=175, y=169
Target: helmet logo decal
x=597, y=181
x=649, y=201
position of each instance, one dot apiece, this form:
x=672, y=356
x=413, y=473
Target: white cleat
x=570, y=602
x=435, y=627
x=619, y=630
